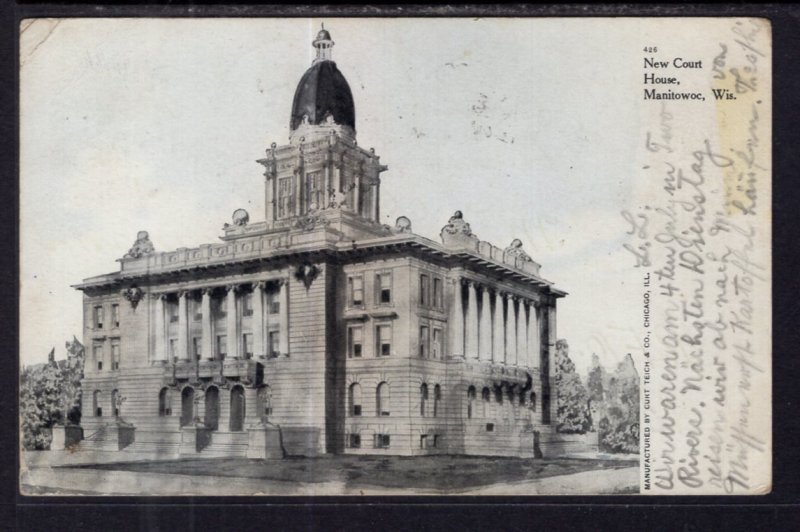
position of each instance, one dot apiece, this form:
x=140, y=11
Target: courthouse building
x=319, y=329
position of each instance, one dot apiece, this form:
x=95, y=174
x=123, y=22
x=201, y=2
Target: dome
x=323, y=91
x=323, y=35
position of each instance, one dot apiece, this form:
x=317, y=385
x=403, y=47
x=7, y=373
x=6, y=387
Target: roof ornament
x=142, y=246
x=402, y=225
x=515, y=250
x=458, y=234
x=323, y=44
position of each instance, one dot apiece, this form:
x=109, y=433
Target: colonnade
x=233, y=321
x=503, y=328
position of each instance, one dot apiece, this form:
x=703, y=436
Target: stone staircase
x=223, y=445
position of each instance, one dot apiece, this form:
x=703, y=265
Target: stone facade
x=320, y=330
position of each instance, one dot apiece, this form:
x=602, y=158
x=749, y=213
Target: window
x=383, y=335
x=486, y=395
x=164, y=402
x=356, y=291
x=222, y=346
x=99, y=365
x=533, y=401
x=197, y=347
x=274, y=340
x=424, y=290
x=247, y=304
x=355, y=399
x=470, y=401
x=490, y=427
x=172, y=311
x=247, y=345
x=436, y=440
x=115, y=403
x=285, y=197
x=115, y=315
x=424, y=341
x=173, y=348
x=423, y=399
x=218, y=306
x=498, y=396
x=382, y=441
x=115, y=352
x=383, y=287
x=423, y=441
x=354, y=342
x=273, y=302
x=438, y=298
x=383, y=407
x=436, y=346
x=354, y=441
x=97, y=353
x=96, y=407
x=197, y=310
x=98, y=317
x=314, y=187
x=437, y=399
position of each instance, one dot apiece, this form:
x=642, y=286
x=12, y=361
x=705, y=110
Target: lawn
x=424, y=472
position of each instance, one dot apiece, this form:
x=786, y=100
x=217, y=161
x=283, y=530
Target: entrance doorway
x=212, y=408
x=237, y=409
x=187, y=406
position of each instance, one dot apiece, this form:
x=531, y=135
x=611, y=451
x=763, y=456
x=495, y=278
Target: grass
x=423, y=472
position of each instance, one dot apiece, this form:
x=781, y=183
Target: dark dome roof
x=323, y=90
x=323, y=35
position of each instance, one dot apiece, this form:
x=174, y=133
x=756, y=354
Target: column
x=533, y=336
x=160, y=354
x=326, y=184
x=485, y=329
x=511, y=333
x=457, y=322
x=357, y=194
x=522, y=336
x=498, y=338
x=183, y=325
x=208, y=330
x=376, y=205
x=283, y=297
x=269, y=191
x=230, y=322
x=471, y=348
x=258, y=319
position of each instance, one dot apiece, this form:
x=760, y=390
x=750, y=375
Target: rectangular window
x=383, y=288
x=314, y=198
x=436, y=347
x=356, y=291
x=356, y=410
x=196, y=310
x=438, y=297
x=222, y=346
x=383, y=336
x=218, y=306
x=354, y=342
x=285, y=196
x=172, y=311
x=115, y=355
x=423, y=441
x=247, y=344
x=273, y=303
x=247, y=304
x=274, y=339
x=435, y=440
x=424, y=340
x=354, y=441
x=490, y=427
x=424, y=290
x=115, y=315
x=197, y=347
x=98, y=317
x=97, y=352
x=173, y=347
x=382, y=441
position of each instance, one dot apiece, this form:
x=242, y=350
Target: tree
x=615, y=406
x=572, y=414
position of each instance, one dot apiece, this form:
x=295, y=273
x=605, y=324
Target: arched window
x=115, y=403
x=355, y=399
x=498, y=395
x=212, y=408
x=486, y=396
x=96, y=408
x=423, y=399
x=470, y=400
x=437, y=399
x=533, y=401
x=164, y=403
x=187, y=405
x=237, y=409
x=521, y=398
x=264, y=399
x=383, y=399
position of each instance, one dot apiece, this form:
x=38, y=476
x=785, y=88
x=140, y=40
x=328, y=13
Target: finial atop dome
x=323, y=44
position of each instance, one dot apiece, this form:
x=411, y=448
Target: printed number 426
x=650, y=49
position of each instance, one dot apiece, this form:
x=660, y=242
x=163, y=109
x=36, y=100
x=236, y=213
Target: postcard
x=395, y=256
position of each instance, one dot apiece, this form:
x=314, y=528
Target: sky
x=528, y=126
